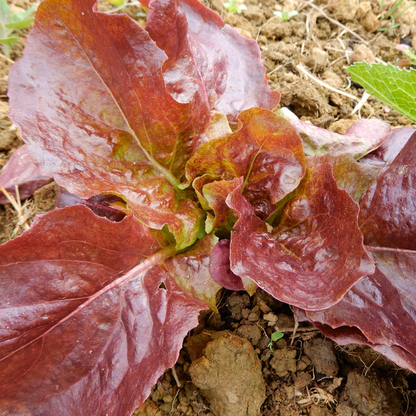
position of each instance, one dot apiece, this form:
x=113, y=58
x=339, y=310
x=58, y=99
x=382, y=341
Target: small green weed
x=9, y=22
x=233, y=7
x=285, y=16
x=275, y=337
x=391, y=12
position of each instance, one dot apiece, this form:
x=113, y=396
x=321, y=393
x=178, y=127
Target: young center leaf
x=90, y=101
x=394, y=86
x=316, y=253
x=87, y=328
x=265, y=151
x=380, y=310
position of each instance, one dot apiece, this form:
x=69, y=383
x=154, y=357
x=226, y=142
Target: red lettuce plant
x=172, y=126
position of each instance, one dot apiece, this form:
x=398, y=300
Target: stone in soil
x=230, y=377
x=370, y=395
x=322, y=353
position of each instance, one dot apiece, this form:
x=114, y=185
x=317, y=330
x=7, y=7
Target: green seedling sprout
x=285, y=16
x=233, y=7
x=390, y=13
x=9, y=22
x=274, y=337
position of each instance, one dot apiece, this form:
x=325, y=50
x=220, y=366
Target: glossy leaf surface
x=207, y=59
x=351, y=176
x=220, y=267
x=86, y=327
x=381, y=306
x=191, y=271
x=21, y=171
x=90, y=100
x=388, y=208
x=380, y=310
x=361, y=138
x=265, y=151
x=387, y=152
x=316, y=253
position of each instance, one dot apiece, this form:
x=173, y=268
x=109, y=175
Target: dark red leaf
x=381, y=309
x=388, y=208
x=378, y=311
x=99, y=204
x=219, y=267
x=347, y=335
x=86, y=328
x=90, y=100
x=316, y=253
x=386, y=153
x=21, y=171
x=351, y=176
x=207, y=59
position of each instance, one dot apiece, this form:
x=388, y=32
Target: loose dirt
x=303, y=373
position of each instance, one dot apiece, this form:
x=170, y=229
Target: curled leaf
x=316, y=253
x=21, y=171
x=265, y=150
x=220, y=267
x=361, y=138
x=387, y=152
x=99, y=204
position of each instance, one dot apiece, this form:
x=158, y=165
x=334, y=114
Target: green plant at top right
x=393, y=86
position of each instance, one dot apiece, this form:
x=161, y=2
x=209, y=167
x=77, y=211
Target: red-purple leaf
x=381, y=309
x=90, y=100
x=191, y=271
x=351, y=176
x=86, y=328
x=346, y=335
x=21, y=171
x=265, y=150
x=386, y=153
x=219, y=267
x=361, y=138
x=208, y=60
x=99, y=204
x=316, y=253
x=388, y=208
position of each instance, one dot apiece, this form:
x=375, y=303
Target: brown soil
x=304, y=373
